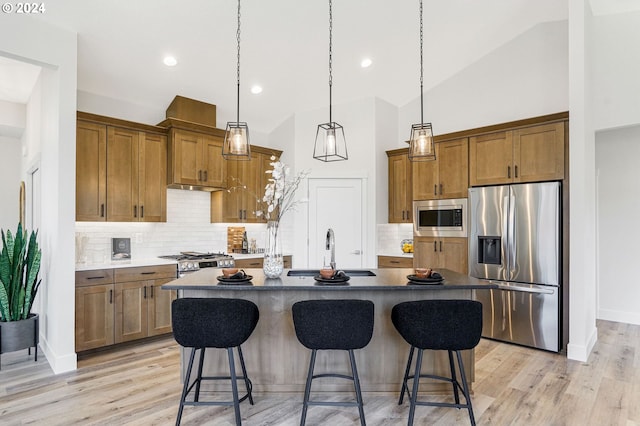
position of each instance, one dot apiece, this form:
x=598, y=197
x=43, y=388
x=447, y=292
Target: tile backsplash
x=390, y=235
x=187, y=228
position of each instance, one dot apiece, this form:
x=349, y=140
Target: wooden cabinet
x=400, y=187
x=395, y=262
x=120, y=171
x=94, y=310
x=114, y=306
x=447, y=176
x=438, y=252
x=245, y=188
x=529, y=154
x=257, y=262
x=195, y=158
x=142, y=308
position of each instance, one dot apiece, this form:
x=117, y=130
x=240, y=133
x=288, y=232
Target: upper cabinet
x=120, y=171
x=447, y=176
x=528, y=154
x=245, y=185
x=400, y=187
x=195, y=158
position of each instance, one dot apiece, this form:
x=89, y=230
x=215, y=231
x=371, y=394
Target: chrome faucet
x=331, y=245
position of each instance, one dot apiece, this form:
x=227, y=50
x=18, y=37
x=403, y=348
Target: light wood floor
x=139, y=385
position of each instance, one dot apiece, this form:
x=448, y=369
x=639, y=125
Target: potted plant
x=19, y=283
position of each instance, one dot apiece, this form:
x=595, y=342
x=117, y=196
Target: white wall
x=618, y=175
x=617, y=67
x=386, y=127
x=526, y=77
x=10, y=177
x=55, y=49
x=12, y=119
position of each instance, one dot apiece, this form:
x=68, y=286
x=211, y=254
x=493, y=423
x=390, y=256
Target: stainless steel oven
x=190, y=261
x=440, y=218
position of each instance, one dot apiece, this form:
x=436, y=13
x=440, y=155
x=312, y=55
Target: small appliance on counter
x=191, y=261
x=120, y=248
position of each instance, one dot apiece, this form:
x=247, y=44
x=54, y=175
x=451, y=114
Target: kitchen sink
x=314, y=272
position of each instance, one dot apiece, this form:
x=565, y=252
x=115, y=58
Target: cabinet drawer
x=146, y=273
x=395, y=262
x=94, y=277
x=249, y=263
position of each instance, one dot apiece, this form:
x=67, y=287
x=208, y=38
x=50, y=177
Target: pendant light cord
x=330, y=58
x=238, y=69
x=421, y=71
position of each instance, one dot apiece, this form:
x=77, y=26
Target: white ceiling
x=284, y=48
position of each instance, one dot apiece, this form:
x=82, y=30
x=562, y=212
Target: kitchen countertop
x=395, y=253
x=154, y=261
x=385, y=279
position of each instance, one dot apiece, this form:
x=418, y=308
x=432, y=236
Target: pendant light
x=236, y=139
x=421, y=146
x=330, y=141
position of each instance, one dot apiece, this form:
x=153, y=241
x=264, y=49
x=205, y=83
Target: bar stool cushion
x=213, y=322
x=334, y=324
x=439, y=324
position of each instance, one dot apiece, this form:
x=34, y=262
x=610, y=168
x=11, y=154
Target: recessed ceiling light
x=255, y=89
x=366, y=63
x=170, y=61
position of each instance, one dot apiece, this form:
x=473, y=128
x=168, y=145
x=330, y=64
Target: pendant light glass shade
x=236, y=139
x=330, y=143
x=236, y=142
x=421, y=147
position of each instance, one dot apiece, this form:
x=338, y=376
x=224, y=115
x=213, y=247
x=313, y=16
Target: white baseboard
x=59, y=363
x=619, y=316
x=581, y=352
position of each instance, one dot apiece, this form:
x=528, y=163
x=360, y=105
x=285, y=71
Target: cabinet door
x=539, y=153
x=426, y=252
x=94, y=316
x=400, y=189
x=232, y=197
x=152, y=188
x=131, y=310
x=186, y=150
x=122, y=175
x=251, y=174
x=425, y=180
x=214, y=166
x=159, y=307
x=453, y=168
x=91, y=171
x=490, y=159
x=453, y=254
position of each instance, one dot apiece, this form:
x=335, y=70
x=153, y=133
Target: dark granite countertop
x=385, y=279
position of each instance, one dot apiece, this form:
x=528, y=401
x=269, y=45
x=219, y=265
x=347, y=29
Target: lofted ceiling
x=284, y=48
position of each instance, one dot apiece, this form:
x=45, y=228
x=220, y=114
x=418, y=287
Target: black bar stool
x=451, y=325
x=333, y=324
x=200, y=323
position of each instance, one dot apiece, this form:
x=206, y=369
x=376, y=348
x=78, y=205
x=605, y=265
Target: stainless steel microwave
x=440, y=218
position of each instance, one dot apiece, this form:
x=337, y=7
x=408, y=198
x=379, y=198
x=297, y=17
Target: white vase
x=273, y=263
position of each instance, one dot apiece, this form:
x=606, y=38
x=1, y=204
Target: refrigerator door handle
x=505, y=238
x=524, y=289
x=512, y=236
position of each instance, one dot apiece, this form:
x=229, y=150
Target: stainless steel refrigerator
x=515, y=241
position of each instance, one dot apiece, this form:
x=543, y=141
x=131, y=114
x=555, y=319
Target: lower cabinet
x=257, y=262
x=438, y=252
x=395, y=262
x=132, y=306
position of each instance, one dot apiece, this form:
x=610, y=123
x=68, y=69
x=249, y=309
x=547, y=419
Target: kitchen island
x=277, y=362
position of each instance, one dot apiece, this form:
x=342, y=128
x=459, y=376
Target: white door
x=336, y=204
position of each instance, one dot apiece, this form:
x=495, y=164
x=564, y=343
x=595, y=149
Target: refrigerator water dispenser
x=489, y=250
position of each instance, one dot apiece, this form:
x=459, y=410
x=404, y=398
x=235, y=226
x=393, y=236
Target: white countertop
x=252, y=255
x=125, y=264
x=395, y=253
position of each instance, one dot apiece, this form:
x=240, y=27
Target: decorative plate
x=231, y=281
x=335, y=280
x=414, y=279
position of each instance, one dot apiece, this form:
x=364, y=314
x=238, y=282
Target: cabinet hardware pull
x=440, y=189
x=111, y=297
x=435, y=246
x=516, y=170
x=509, y=172
x=148, y=273
x=151, y=287
x=135, y=211
x=206, y=175
x=393, y=261
x=435, y=189
x=101, y=210
x=145, y=291
x=199, y=174
x=95, y=278
x=141, y=211
x=255, y=264
x=402, y=214
x=240, y=214
x=440, y=245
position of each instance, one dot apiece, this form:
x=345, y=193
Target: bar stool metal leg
x=356, y=385
x=199, y=376
x=247, y=381
x=234, y=387
x=406, y=376
x=185, y=388
x=413, y=398
x=465, y=388
x=454, y=380
x=307, y=388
